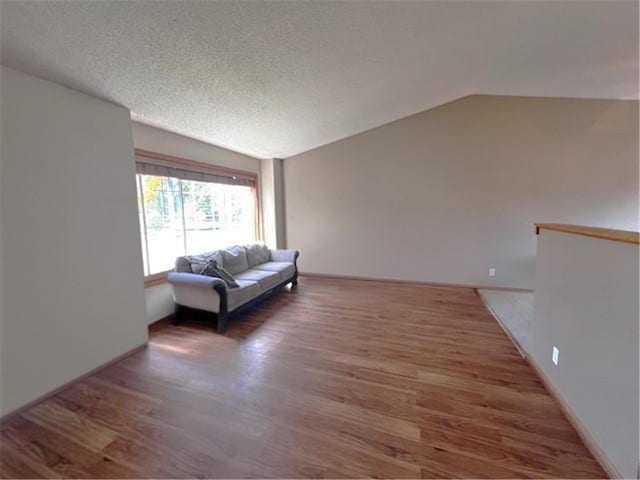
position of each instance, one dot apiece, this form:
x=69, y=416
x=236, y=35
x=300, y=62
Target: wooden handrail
x=625, y=236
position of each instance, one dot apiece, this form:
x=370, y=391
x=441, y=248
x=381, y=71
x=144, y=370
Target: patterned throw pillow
x=213, y=270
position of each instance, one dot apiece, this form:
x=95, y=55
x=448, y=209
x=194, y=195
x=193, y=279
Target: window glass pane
x=164, y=222
x=240, y=209
x=217, y=215
x=179, y=217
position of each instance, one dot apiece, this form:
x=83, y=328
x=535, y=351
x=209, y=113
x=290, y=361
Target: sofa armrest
x=290, y=256
x=195, y=280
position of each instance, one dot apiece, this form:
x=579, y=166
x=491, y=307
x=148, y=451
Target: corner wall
x=72, y=284
x=586, y=304
x=447, y=194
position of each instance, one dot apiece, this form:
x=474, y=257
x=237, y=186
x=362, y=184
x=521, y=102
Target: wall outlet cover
x=492, y=272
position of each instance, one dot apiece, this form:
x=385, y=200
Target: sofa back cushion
x=257, y=254
x=234, y=260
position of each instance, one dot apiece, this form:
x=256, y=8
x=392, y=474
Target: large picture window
x=185, y=211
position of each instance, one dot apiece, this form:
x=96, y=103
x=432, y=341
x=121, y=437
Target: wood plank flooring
x=339, y=378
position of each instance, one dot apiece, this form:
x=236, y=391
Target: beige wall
x=586, y=304
x=159, y=298
x=273, y=203
x=168, y=143
x=445, y=195
x=268, y=200
x=278, y=185
x=71, y=267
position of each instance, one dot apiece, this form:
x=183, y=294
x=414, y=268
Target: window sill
x=155, y=279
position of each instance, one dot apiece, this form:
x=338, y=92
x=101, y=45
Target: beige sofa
x=257, y=270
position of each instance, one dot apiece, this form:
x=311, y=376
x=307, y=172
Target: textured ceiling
x=273, y=79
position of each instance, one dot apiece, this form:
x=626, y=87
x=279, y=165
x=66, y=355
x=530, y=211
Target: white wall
x=586, y=304
x=159, y=298
x=72, y=280
x=444, y=195
x=1, y=305
x=158, y=301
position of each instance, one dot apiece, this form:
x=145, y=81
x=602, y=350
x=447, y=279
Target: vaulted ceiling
x=273, y=79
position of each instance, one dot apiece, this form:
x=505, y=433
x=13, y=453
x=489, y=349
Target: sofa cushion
x=265, y=278
x=285, y=269
x=214, y=270
x=247, y=290
x=200, y=261
x=234, y=260
x=183, y=265
x=257, y=253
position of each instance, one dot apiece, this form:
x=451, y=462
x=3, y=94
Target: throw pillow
x=234, y=260
x=257, y=254
x=183, y=265
x=213, y=270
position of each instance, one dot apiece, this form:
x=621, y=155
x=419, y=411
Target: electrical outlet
x=554, y=355
x=492, y=272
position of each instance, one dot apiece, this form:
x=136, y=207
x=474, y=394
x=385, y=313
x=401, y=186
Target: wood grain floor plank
x=337, y=379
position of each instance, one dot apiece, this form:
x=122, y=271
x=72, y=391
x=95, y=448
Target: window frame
x=187, y=164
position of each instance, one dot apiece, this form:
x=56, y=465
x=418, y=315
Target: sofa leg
x=177, y=313
x=294, y=282
x=222, y=322
x=223, y=312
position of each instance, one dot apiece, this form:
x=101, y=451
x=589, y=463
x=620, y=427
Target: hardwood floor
x=340, y=378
